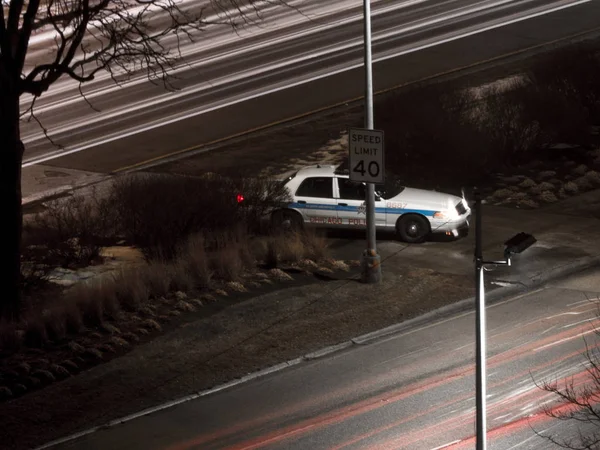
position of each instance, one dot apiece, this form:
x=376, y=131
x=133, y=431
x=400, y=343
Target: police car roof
x=317, y=170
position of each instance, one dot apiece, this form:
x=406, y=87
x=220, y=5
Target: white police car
x=324, y=196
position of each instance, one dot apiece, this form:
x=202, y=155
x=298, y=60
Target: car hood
x=421, y=198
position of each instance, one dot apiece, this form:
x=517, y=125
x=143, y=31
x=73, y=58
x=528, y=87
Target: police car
x=324, y=196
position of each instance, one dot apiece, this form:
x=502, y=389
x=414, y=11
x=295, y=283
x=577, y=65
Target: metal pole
x=480, y=329
x=371, y=262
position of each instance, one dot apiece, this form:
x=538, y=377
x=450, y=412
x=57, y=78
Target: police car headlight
x=445, y=215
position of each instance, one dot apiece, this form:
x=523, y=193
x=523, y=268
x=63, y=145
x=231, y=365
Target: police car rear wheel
x=413, y=228
x=287, y=221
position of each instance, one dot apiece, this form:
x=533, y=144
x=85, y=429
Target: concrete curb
x=365, y=339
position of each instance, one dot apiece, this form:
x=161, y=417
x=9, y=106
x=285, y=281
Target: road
x=288, y=68
x=412, y=390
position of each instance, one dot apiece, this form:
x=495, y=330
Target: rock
x=571, y=188
x=23, y=368
x=33, y=382
x=581, y=169
x=93, y=353
x=527, y=183
x=236, y=286
x=70, y=365
x=44, y=375
x=179, y=295
x=18, y=389
x=75, y=347
x=545, y=174
x=59, y=371
x=279, y=275
x=548, y=197
x=5, y=393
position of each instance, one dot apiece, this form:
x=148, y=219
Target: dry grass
x=195, y=261
x=141, y=290
x=227, y=264
x=294, y=248
x=181, y=278
x=131, y=291
x=158, y=278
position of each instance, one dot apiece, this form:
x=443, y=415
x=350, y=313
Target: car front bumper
x=456, y=228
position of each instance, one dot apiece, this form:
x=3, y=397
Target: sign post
x=369, y=169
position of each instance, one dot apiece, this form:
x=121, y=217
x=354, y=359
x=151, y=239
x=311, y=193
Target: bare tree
x=577, y=402
x=118, y=36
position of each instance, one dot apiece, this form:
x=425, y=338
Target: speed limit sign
x=366, y=155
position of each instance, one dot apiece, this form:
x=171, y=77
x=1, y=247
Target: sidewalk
x=41, y=181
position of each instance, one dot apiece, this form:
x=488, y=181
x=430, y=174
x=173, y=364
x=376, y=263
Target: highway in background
x=293, y=65
x=413, y=390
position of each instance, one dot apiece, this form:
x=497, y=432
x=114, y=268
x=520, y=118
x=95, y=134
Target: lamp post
x=517, y=244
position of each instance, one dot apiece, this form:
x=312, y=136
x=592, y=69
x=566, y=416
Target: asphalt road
x=290, y=67
x=413, y=390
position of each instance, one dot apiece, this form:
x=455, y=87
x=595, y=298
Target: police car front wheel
x=413, y=228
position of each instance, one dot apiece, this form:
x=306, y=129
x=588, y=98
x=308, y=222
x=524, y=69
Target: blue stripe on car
x=325, y=207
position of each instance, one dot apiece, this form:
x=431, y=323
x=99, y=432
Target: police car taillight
x=240, y=198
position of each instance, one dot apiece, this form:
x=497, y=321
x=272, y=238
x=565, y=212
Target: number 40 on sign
x=366, y=155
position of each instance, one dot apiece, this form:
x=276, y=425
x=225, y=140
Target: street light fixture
x=515, y=245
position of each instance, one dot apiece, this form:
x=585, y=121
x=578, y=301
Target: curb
x=365, y=339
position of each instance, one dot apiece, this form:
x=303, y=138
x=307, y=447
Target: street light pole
x=517, y=244
x=371, y=261
x=480, y=329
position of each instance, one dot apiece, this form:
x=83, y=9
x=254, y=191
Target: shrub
x=158, y=212
x=70, y=232
x=432, y=123
x=507, y=122
x=260, y=196
x=570, y=74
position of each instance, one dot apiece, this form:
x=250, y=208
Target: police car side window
x=321, y=187
x=351, y=190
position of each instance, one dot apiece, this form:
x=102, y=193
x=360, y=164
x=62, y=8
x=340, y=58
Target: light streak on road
x=274, y=77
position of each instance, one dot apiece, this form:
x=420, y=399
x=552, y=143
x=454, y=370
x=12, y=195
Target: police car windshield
x=390, y=188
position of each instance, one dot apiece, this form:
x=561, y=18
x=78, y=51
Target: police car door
x=315, y=201
x=351, y=207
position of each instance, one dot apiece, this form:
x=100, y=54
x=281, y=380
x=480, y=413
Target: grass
x=205, y=262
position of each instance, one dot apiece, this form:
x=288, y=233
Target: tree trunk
x=11, y=157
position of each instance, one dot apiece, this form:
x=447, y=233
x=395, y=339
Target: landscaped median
x=162, y=285
x=183, y=253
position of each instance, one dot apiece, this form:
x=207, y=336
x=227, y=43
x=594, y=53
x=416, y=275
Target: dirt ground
x=295, y=318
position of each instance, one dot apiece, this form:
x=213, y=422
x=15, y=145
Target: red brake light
x=240, y=198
